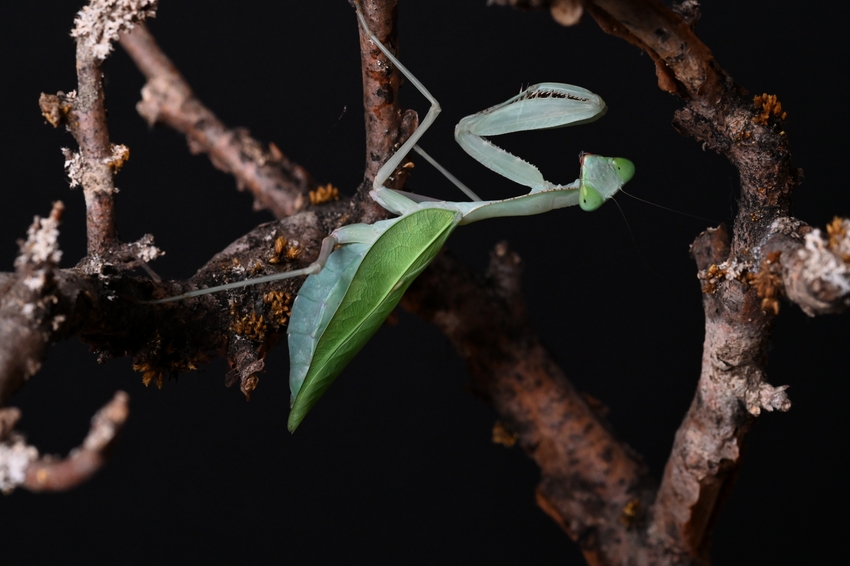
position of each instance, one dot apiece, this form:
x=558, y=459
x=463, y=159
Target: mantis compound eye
x=589, y=198
x=625, y=168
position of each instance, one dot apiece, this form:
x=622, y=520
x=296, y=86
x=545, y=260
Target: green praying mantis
x=364, y=269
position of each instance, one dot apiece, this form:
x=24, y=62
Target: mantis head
x=601, y=177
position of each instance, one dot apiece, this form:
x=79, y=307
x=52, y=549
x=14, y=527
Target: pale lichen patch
x=42, y=243
x=98, y=24
x=74, y=167
x=824, y=261
x=767, y=397
x=15, y=457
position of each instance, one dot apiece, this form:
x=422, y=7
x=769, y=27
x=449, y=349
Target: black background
x=395, y=465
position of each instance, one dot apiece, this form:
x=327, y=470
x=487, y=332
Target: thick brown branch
x=732, y=387
x=242, y=325
x=684, y=65
x=386, y=125
x=589, y=478
x=42, y=304
x=743, y=274
x=277, y=183
x=731, y=391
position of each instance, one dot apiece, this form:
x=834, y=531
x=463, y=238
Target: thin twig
x=277, y=183
x=84, y=113
x=21, y=465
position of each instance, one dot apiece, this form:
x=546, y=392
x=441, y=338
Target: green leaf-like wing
x=390, y=266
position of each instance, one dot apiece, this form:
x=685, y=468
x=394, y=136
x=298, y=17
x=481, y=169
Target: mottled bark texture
x=387, y=126
x=592, y=485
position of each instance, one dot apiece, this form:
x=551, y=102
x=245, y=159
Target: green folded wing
x=314, y=307
x=390, y=266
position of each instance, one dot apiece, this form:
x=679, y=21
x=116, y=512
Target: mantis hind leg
x=327, y=247
x=393, y=162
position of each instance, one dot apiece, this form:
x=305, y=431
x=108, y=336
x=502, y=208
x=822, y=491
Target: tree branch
x=84, y=113
x=732, y=388
x=592, y=485
x=277, y=183
x=595, y=487
x=387, y=127
x=28, y=308
x=261, y=317
x=21, y=465
x=809, y=268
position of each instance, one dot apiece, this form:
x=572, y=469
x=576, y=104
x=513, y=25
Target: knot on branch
x=120, y=257
x=566, y=12
x=162, y=96
x=767, y=397
x=76, y=167
x=55, y=107
x=815, y=265
x=245, y=365
x=99, y=24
